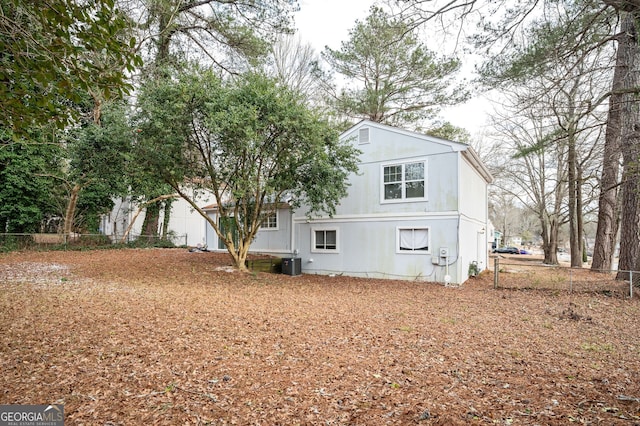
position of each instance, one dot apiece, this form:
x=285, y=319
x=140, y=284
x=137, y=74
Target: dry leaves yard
x=143, y=337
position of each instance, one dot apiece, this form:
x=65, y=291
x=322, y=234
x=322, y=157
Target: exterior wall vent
x=363, y=135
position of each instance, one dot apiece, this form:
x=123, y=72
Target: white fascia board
x=455, y=146
x=472, y=157
x=466, y=150
x=379, y=217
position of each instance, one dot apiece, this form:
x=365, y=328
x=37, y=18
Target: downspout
x=129, y=217
x=458, y=236
x=292, y=233
x=485, y=253
x=204, y=233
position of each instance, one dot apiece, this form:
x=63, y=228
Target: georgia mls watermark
x=32, y=415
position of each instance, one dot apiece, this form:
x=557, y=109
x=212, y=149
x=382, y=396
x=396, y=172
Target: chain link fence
x=531, y=275
x=13, y=242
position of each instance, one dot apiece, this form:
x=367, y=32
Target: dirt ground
x=168, y=337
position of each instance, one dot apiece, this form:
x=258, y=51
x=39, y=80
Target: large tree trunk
x=241, y=256
x=70, y=213
x=139, y=210
x=236, y=242
x=630, y=148
x=580, y=217
x=549, y=238
x=165, y=10
x=574, y=213
x=608, y=212
x=238, y=254
x=630, y=232
x=151, y=220
x=166, y=218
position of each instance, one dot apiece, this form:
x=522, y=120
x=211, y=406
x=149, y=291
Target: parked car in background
x=507, y=250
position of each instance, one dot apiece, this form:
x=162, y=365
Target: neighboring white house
x=186, y=225
x=417, y=209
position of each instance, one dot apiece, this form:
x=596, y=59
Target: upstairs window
x=404, y=181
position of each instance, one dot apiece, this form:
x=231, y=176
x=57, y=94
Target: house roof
x=466, y=150
x=210, y=207
x=213, y=207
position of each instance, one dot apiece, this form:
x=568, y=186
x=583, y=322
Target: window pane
x=414, y=171
x=331, y=239
x=420, y=239
x=404, y=181
x=414, y=239
x=319, y=239
x=415, y=189
x=326, y=240
x=271, y=221
x=393, y=174
x=392, y=191
x=406, y=239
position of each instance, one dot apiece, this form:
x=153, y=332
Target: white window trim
x=324, y=228
x=414, y=252
x=403, y=199
x=275, y=228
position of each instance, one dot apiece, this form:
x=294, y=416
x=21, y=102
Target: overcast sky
x=327, y=22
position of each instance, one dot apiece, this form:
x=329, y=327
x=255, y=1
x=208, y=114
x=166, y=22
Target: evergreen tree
x=390, y=75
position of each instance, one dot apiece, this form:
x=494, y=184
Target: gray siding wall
x=275, y=241
x=368, y=247
x=388, y=147
x=474, y=218
x=368, y=225
x=268, y=241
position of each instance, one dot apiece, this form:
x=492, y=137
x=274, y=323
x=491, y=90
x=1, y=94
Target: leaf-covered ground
x=170, y=337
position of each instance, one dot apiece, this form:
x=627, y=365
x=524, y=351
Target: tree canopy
x=97, y=156
x=391, y=76
x=227, y=34
x=55, y=50
x=27, y=166
x=249, y=142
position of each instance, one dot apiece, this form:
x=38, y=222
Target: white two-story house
x=417, y=210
